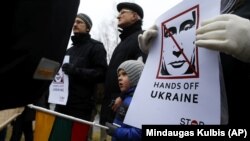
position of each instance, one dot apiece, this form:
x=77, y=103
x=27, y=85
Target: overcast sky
x=100, y=10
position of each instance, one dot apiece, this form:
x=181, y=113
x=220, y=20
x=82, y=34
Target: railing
x=65, y=116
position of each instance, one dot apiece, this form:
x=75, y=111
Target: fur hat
x=133, y=68
x=86, y=19
x=132, y=6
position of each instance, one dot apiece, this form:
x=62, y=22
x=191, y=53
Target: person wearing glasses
x=86, y=68
x=130, y=26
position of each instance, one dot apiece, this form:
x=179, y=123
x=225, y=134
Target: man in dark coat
x=86, y=68
x=130, y=21
x=32, y=30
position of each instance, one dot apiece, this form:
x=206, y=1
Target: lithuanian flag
x=49, y=127
x=43, y=125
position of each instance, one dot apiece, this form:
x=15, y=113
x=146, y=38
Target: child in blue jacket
x=128, y=74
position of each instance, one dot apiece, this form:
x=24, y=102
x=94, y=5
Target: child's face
x=123, y=81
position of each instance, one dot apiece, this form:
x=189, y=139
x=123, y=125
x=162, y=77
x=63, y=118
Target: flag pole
x=65, y=116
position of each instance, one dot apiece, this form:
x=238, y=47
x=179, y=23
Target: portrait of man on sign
x=179, y=55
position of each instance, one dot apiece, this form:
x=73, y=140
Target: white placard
x=58, y=90
x=180, y=82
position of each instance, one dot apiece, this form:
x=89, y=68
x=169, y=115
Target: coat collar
x=125, y=32
x=80, y=38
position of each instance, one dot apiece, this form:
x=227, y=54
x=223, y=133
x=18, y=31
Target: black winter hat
x=132, y=6
x=86, y=19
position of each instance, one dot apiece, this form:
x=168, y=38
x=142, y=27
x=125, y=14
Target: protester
x=231, y=36
x=129, y=73
x=130, y=23
x=86, y=68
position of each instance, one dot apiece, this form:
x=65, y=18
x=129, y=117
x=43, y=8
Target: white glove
x=227, y=33
x=145, y=39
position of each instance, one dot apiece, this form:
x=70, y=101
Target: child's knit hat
x=133, y=68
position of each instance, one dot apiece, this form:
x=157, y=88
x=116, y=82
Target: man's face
x=80, y=26
x=126, y=18
x=178, y=43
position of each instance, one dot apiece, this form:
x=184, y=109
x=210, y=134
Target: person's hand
x=145, y=39
x=118, y=102
x=68, y=68
x=111, y=129
x=226, y=33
